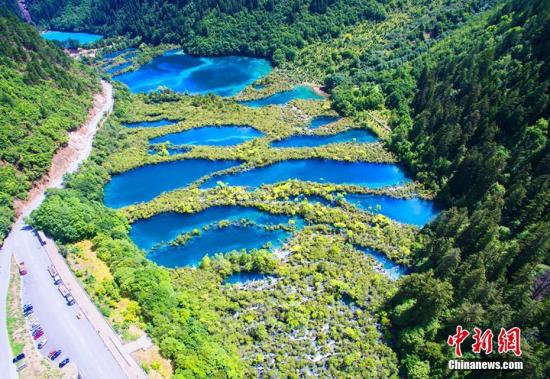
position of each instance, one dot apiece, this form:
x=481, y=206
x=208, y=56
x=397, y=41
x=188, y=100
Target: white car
x=42, y=343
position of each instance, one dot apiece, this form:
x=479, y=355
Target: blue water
x=223, y=76
x=374, y=175
x=410, y=211
x=245, y=277
x=118, y=67
x=392, y=270
x=165, y=227
x=319, y=121
x=147, y=182
x=82, y=38
x=171, y=150
x=226, y=135
x=150, y=124
x=300, y=92
x=117, y=53
x=217, y=240
x=353, y=135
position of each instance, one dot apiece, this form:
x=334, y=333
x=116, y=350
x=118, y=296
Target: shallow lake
x=218, y=240
x=82, y=38
x=150, y=124
x=165, y=227
x=280, y=98
x=410, y=211
x=392, y=270
x=117, y=53
x=226, y=135
x=147, y=182
x=118, y=67
x=223, y=76
x=374, y=175
x=245, y=277
x=319, y=121
x=353, y=135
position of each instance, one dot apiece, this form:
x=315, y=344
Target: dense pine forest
x=462, y=88
x=43, y=94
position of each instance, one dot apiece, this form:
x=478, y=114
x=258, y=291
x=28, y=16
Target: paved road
x=76, y=338
x=84, y=341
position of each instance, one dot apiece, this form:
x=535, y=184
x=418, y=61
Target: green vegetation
x=478, y=134
x=44, y=94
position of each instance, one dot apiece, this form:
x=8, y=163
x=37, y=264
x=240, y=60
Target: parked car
x=22, y=268
x=79, y=314
x=35, y=327
x=36, y=331
x=55, y=354
x=42, y=343
x=63, y=362
x=18, y=358
x=27, y=307
x=28, y=313
x=38, y=335
x=21, y=367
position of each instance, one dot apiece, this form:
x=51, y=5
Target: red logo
x=508, y=341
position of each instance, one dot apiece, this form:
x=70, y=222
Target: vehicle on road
x=54, y=354
x=18, y=358
x=22, y=268
x=42, y=343
x=38, y=335
x=66, y=294
x=63, y=362
x=41, y=237
x=79, y=314
x=27, y=307
x=55, y=275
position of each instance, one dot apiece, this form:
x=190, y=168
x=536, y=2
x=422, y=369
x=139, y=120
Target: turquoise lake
x=150, y=124
x=82, y=38
x=223, y=76
x=319, y=121
x=409, y=211
x=147, y=182
x=245, y=277
x=227, y=135
x=165, y=227
x=392, y=270
x=374, y=175
x=353, y=135
x=281, y=98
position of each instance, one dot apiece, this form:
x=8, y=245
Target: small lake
x=150, y=124
x=165, y=227
x=149, y=181
x=374, y=175
x=218, y=240
x=390, y=269
x=223, y=76
x=226, y=135
x=319, y=121
x=409, y=211
x=118, y=67
x=82, y=38
x=281, y=98
x=245, y=277
x=353, y=135
x=118, y=53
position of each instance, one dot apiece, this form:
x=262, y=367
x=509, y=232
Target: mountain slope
x=43, y=95
x=478, y=134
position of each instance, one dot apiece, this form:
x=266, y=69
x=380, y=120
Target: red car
x=22, y=269
x=38, y=335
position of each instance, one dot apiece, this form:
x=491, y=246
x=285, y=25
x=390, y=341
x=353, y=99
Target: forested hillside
x=274, y=29
x=43, y=95
x=478, y=134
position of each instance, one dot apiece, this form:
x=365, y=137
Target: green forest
x=44, y=94
x=457, y=90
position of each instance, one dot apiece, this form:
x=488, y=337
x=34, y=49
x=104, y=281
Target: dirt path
x=24, y=11
x=68, y=158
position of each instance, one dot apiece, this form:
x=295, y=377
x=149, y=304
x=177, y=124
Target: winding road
x=89, y=342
